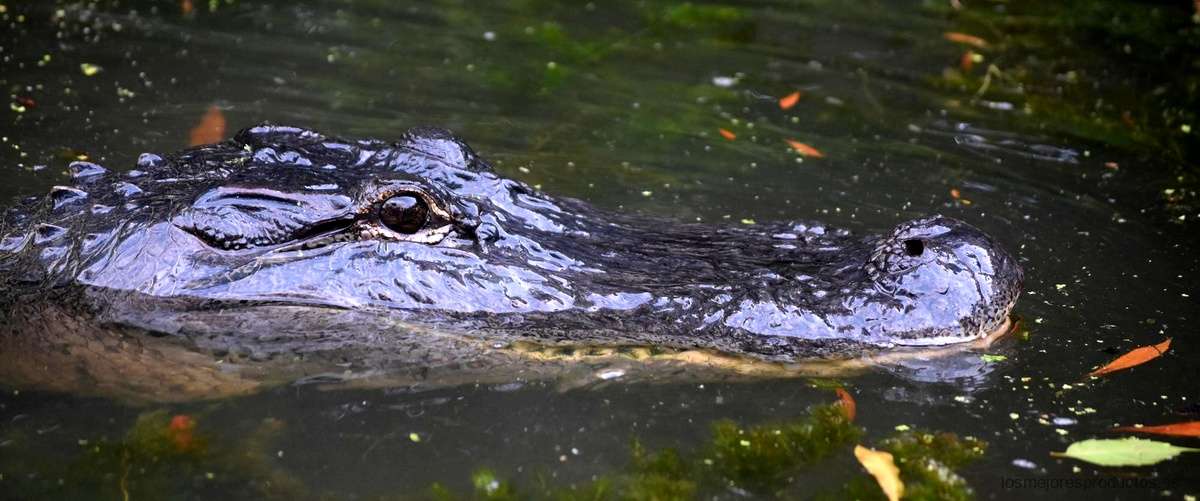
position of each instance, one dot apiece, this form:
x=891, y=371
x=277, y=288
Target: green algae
x=725, y=23
x=161, y=454
x=761, y=460
x=927, y=463
x=1057, y=56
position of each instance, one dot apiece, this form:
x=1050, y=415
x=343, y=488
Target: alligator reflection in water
x=286, y=241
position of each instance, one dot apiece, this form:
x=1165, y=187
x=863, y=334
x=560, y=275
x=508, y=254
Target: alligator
x=215, y=269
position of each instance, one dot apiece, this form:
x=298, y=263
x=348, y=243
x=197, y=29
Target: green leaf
x=1122, y=451
x=991, y=359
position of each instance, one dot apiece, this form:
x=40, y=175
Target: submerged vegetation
x=159, y=454
x=163, y=453
x=1122, y=76
x=762, y=461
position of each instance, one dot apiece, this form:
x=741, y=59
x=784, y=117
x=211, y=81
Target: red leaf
x=210, y=129
x=847, y=403
x=1135, y=357
x=1188, y=429
x=789, y=100
x=804, y=149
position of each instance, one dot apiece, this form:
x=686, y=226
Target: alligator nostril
x=914, y=247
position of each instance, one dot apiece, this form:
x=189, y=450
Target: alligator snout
x=423, y=229
x=955, y=282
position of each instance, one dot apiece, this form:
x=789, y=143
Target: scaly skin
x=265, y=244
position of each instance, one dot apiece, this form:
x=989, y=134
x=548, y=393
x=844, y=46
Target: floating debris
x=964, y=38
x=790, y=100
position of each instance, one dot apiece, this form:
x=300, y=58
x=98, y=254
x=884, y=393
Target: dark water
x=1078, y=152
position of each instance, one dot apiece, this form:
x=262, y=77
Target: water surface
x=1076, y=149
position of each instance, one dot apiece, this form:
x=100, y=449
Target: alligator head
x=424, y=230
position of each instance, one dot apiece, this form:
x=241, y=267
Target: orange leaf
x=1188, y=429
x=804, y=149
x=211, y=128
x=727, y=134
x=955, y=194
x=1135, y=357
x=789, y=100
x=847, y=403
x=181, y=422
x=964, y=38
x=186, y=7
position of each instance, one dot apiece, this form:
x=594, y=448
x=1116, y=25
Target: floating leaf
x=991, y=359
x=727, y=134
x=186, y=7
x=1135, y=357
x=1122, y=451
x=847, y=403
x=89, y=69
x=964, y=38
x=880, y=465
x=786, y=102
x=804, y=149
x=1188, y=429
x=210, y=129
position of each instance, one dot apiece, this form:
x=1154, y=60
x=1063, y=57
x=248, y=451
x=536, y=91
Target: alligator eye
x=404, y=214
x=914, y=247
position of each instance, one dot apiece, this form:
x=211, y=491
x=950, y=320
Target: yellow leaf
x=880, y=465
